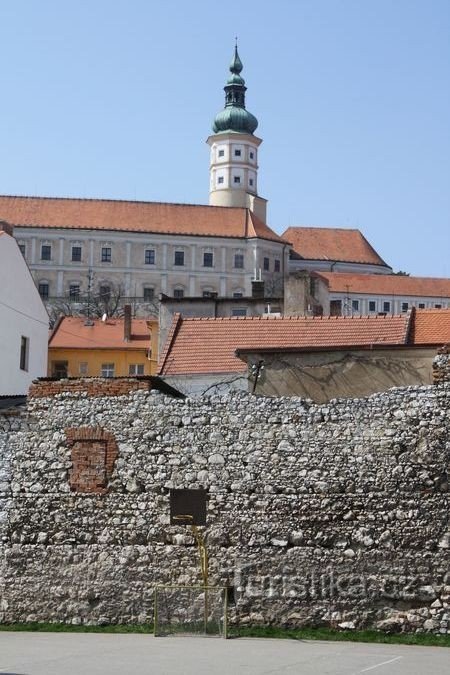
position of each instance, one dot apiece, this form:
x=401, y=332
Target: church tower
x=233, y=167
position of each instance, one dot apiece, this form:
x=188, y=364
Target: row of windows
x=237, y=153
x=386, y=306
x=149, y=256
x=60, y=369
x=236, y=180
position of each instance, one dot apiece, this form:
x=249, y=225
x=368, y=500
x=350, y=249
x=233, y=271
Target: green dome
x=235, y=119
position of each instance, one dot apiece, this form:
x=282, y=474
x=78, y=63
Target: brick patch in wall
x=93, y=453
x=92, y=386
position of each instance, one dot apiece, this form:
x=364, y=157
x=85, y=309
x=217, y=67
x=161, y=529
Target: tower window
x=179, y=258
x=221, y=153
x=237, y=179
x=24, y=351
x=149, y=256
x=76, y=253
x=106, y=254
x=207, y=259
x=220, y=179
x=252, y=155
x=22, y=249
x=237, y=153
x=250, y=182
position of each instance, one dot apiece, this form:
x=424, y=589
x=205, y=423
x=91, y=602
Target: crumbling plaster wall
x=330, y=514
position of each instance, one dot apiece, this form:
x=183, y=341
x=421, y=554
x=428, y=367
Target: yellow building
x=117, y=347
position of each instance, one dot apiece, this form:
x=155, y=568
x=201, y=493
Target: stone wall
x=330, y=514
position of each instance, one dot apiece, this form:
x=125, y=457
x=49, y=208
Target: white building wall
x=22, y=314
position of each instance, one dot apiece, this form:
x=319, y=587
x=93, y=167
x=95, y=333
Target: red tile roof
x=72, y=333
x=430, y=327
x=333, y=244
x=197, y=346
x=386, y=284
x=129, y=216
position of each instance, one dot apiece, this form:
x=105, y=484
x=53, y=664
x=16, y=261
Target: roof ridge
x=123, y=201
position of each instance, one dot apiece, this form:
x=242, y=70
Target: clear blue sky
x=115, y=99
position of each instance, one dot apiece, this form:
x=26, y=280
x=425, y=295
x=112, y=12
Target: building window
x=372, y=306
x=220, y=180
x=149, y=293
x=421, y=305
x=208, y=259
x=239, y=311
x=252, y=154
x=178, y=293
x=179, y=258
x=149, y=256
x=238, y=294
x=239, y=261
x=136, y=369
x=405, y=306
x=107, y=369
x=386, y=306
x=74, y=291
x=237, y=153
x=266, y=264
x=60, y=368
x=105, y=293
x=277, y=265
x=76, y=253
x=236, y=179
x=22, y=249
x=24, y=352
x=43, y=290
x=250, y=182
x=83, y=368
x=221, y=153
x=46, y=252
x=355, y=305
x=106, y=254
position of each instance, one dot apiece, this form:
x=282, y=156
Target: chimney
x=127, y=323
x=6, y=227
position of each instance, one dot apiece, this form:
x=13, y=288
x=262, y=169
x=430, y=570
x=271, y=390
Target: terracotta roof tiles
x=386, y=284
x=198, y=346
x=72, y=333
x=134, y=216
x=431, y=327
x=333, y=244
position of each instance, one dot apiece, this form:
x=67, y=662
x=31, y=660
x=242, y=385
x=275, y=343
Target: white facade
x=146, y=264
x=23, y=323
x=233, y=172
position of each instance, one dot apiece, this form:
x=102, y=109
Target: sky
x=115, y=99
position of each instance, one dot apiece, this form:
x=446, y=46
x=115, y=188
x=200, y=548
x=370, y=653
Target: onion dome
x=234, y=117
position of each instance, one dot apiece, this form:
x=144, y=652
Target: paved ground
x=100, y=654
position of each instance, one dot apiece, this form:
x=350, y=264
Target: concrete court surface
x=110, y=654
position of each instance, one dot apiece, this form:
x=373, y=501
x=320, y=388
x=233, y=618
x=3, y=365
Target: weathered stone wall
x=327, y=515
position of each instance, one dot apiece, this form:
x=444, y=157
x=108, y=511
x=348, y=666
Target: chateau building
x=142, y=249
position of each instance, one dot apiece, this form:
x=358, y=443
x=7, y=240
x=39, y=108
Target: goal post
x=190, y=610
